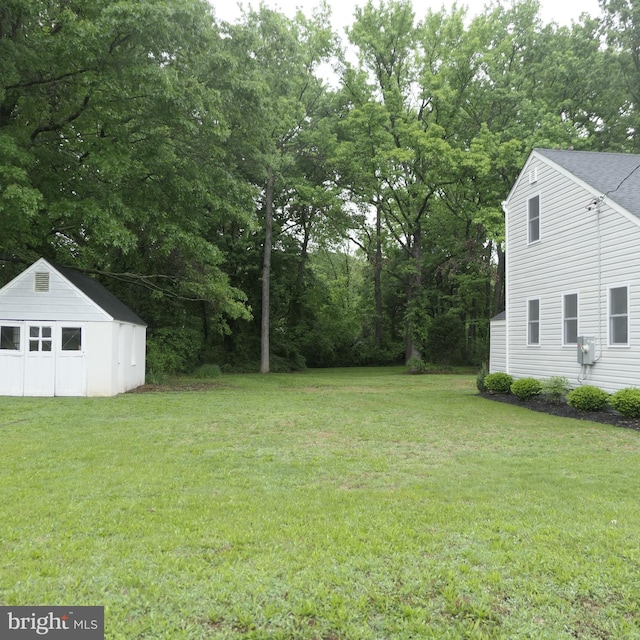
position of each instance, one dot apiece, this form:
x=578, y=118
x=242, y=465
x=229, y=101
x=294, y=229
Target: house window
x=570, y=314
x=40, y=338
x=533, y=210
x=619, y=316
x=533, y=322
x=10, y=338
x=71, y=339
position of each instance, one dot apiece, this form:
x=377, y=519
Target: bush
x=418, y=365
x=207, y=371
x=526, y=388
x=480, y=379
x=626, y=402
x=556, y=389
x=498, y=383
x=171, y=351
x=588, y=398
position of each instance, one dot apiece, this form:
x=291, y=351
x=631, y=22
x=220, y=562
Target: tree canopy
x=265, y=200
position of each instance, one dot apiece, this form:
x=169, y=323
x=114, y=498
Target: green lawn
x=334, y=505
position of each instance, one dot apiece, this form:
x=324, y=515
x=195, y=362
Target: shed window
x=42, y=281
x=40, y=338
x=10, y=338
x=618, y=316
x=570, y=312
x=71, y=339
x=533, y=211
x=533, y=322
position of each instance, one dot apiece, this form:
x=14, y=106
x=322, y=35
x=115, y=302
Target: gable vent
x=42, y=281
x=533, y=176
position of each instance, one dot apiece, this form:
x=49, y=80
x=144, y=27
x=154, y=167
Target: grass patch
x=336, y=504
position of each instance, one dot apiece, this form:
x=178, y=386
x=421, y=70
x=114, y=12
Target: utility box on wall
x=586, y=350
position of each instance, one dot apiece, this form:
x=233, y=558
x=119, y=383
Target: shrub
x=588, y=398
x=526, y=388
x=556, y=389
x=626, y=402
x=207, y=371
x=418, y=365
x=498, y=382
x=480, y=379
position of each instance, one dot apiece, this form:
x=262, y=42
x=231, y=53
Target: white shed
x=64, y=334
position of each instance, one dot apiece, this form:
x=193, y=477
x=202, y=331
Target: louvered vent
x=42, y=281
x=533, y=176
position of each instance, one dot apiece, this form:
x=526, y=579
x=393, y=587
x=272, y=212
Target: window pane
x=534, y=333
x=571, y=306
x=571, y=331
x=534, y=310
x=534, y=219
x=34, y=332
x=34, y=345
x=46, y=332
x=619, y=301
x=71, y=338
x=46, y=345
x=10, y=338
x=619, y=334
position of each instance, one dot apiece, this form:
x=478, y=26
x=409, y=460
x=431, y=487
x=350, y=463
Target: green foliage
x=498, y=382
x=417, y=365
x=526, y=388
x=207, y=371
x=480, y=378
x=588, y=398
x=626, y=402
x=445, y=336
x=555, y=389
x=171, y=351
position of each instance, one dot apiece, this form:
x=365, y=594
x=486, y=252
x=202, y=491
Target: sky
x=561, y=11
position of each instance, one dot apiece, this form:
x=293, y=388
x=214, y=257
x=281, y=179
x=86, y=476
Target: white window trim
x=529, y=343
x=564, y=318
x=539, y=238
x=618, y=345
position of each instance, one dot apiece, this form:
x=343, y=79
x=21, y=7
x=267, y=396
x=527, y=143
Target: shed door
x=71, y=375
x=40, y=368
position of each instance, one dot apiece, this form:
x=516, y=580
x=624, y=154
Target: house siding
x=580, y=251
x=498, y=342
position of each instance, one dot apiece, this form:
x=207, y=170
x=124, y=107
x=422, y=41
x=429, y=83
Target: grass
x=330, y=505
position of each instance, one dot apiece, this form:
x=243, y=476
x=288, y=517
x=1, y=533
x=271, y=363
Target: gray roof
x=616, y=175
x=100, y=295
x=499, y=316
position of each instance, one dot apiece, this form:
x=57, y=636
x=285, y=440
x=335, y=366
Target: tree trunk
x=413, y=291
x=377, y=279
x=266, y=277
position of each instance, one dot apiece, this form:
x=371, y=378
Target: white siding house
x=573, y=271
x=64, y=334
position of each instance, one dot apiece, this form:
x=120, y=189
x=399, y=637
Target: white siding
x=498, y=351
x=580, y=251
x=63, y=301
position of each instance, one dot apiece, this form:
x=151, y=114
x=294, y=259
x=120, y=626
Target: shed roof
x=100, y=295
x=615, y=175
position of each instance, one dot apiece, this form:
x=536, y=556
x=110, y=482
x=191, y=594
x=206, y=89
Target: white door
x=39, y=368
x=71, y=375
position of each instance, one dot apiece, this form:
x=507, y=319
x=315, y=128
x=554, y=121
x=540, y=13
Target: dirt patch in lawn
x=540, y=403
x=188, y=386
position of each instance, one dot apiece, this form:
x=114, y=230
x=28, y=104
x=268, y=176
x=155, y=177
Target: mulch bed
x=563, y=410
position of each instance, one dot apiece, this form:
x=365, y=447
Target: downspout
x=507, y=314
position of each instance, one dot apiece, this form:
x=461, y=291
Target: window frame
x=531, y=322
x=18, y=350
x=566, y=318
x=611, y=316
x=537, y=219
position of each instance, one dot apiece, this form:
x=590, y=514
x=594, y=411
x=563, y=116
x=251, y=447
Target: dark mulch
x=539, y=403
